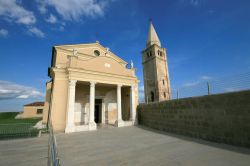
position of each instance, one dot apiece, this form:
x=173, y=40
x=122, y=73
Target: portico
x=90, y=86
x=75, y=121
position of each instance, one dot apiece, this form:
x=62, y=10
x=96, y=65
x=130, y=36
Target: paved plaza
x=123, y=146
x=24, y=152
x=140, y=146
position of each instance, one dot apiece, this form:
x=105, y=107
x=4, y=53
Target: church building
x=90, y=86
x=155, y=69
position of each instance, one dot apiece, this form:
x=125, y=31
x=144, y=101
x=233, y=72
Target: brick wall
x=221, y=118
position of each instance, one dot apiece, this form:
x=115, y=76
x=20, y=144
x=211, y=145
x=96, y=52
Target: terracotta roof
x=39, y=103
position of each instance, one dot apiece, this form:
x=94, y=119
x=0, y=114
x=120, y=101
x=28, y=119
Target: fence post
x=208, y=88
x=40, y=133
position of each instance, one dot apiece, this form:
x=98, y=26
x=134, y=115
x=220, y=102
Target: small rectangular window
x=163, y=82
x=39, y=111
x=164, y=93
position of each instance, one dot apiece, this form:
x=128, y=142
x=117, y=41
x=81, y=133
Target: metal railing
x=17, y=130
x=53, y=159
x=210, y=85
x=206, y=85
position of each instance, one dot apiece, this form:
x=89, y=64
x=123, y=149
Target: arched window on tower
x=163, y=82
x=152, y=96
x=164, y=94
x=159, y=53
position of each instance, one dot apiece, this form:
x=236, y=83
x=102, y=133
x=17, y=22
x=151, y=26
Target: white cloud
x=189, y=84
x=205, y=78
x=51, y=19
x=37, y=32
x=230, y=89
x=10, y=90
x=42, y=6
x=14, y=12
x=74, y=10
x=201, y=80
x=3, y=33
x=23, y=96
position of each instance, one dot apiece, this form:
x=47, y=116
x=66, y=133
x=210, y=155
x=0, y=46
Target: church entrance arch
x=98, y=110
x=152, y=96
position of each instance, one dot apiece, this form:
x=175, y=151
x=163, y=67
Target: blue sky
x=204, y=38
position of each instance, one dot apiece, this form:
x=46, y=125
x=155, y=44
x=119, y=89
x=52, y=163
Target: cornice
x=101, y=73
x=163, y=59
x=154, y=45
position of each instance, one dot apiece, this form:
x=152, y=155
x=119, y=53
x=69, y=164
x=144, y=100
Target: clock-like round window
x=97, y=53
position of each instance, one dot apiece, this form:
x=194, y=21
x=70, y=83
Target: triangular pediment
x=88, y=51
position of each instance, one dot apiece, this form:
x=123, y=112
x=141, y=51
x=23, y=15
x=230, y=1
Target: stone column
x=119, y=121
x=70, y=126
x=132, y=103
x=92, y=124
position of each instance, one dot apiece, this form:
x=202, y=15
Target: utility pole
x=208, y=88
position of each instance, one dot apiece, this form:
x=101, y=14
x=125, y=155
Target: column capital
x=75, y=51
x=119, y=85
x=72, y=82
x=134, y=87
x=92, y=83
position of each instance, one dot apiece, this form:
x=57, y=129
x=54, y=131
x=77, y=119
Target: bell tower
x=155, y=69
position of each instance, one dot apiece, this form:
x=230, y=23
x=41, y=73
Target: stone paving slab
x=143, y=146
x=24, y=152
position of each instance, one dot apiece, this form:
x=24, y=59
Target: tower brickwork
x=155, y=69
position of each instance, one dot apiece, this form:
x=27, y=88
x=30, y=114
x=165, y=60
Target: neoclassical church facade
x=91, y=86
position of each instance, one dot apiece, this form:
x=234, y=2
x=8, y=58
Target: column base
x=135, y=122
x=122, y=123
x=82, y=128
x=119, y=123
x=92, y=126
x=70, y=129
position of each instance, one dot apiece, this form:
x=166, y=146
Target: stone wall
x=223, y=118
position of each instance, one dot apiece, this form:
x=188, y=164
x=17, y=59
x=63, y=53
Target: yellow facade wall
x=59, y=104
x=31, y=112
x=47, y=101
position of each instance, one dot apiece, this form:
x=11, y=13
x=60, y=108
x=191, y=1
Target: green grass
x=16, y=128
x=9, y=118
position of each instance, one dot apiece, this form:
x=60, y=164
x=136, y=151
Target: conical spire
x=152, y=36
